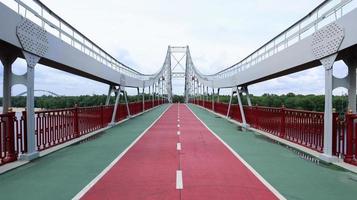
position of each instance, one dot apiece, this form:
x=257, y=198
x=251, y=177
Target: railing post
x=335, y=139
x=282, y=123
x=25, y=130
x=11, y=154
x=349, y=138
x=76, y=124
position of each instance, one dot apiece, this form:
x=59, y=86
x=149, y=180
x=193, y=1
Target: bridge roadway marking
x=210, y=170
x=97, y=178
x=266, y=183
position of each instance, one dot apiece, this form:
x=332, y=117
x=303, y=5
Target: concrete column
x=162, y=90
x=352, y=65
x=153, y=93
x=117, y=98
x=143, y=98
x=207, y=93
x=30, y=112
x=230, y=103
x=194, y=91
x=138, y=97
x=248, y=96
x=149, y=93
x=32, y=152
x=213, y=99
x=126, y=102
x=202, y=93
x=327, y=149
x=218, y=90
x=7, y=81
x=352, y=89
x=107, y=101
x=328, y=114
x=241, y=108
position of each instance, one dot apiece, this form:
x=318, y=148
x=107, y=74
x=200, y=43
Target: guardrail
x=350, y=154
x=305, y=128
x=11, y=143
x=55, y=127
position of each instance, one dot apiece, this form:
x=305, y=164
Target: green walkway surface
x=61, y=175
x=294, y=177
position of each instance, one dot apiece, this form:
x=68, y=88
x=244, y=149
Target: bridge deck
x=210, y=170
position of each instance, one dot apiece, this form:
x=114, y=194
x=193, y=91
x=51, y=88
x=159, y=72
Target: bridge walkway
x=292, y=175
x=62, y=174
x=209, y=169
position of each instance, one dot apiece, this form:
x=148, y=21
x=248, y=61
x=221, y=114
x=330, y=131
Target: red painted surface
x=210, y=170
x=148, y=169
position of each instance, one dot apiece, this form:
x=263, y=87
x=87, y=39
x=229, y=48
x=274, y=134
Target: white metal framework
x=328, y=33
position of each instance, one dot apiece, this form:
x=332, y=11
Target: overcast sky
x=219, y=33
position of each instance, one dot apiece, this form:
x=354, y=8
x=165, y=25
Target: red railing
x=121, y=112
x=89, y=119
x=107, y=114
x=148, y=105
x=136, y=108
x=304, y=128
x=339, y=136
x=221, y=108
x=301, y=127
x=351, y=139
x=54, y=127
x=234, y=113
x=11, y=143
x=265, y=119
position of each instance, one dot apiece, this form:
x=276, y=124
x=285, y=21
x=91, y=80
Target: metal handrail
x=86, y=45
x=334, y=7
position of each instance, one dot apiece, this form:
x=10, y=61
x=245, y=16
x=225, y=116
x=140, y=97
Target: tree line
x=290, y=100
x=294, y=101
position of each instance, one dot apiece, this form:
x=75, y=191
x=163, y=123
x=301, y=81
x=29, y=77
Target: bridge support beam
x=246, y=91
x=207, y=98
x=153, y=94
x=213, y=99
x=7, y=62
x=241, y=108
x=110, y=91
x=230, y=103
x=327, y=150
x=31, y=61
x=149, y=93
x=352, y=65
x=143, y=96
x=325, y=46
x=138, y=96
x=117, y=100
x=126, y=102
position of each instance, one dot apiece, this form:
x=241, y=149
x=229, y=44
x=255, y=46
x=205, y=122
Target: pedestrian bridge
x=154, y=148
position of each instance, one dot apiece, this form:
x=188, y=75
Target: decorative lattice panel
x=327, y=40
x=32, y=37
